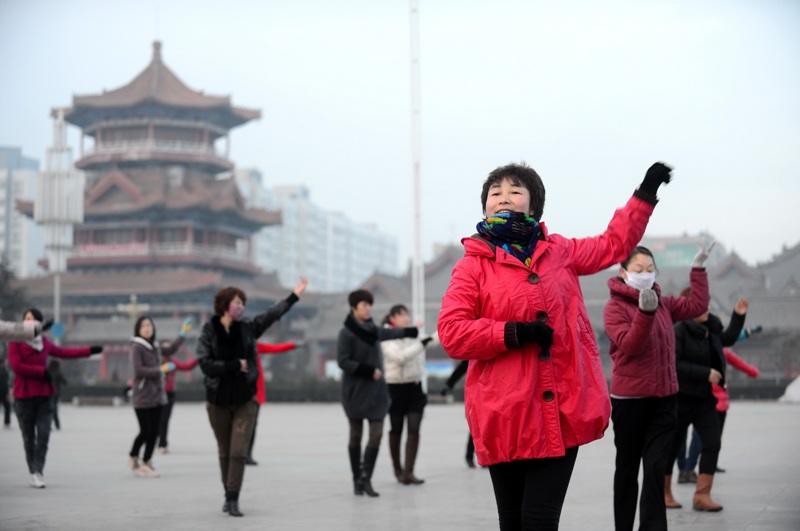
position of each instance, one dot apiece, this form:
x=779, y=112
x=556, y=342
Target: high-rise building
x=21, y=240
x=333, y=252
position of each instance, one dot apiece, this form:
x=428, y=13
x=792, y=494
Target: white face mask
x=641, y=281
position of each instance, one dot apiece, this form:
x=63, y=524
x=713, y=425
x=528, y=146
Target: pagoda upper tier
x=156, y=118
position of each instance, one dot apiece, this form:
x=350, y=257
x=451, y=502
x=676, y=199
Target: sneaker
x=37, y=481
x=133, y=463
x=146, y=470
x=163, y=450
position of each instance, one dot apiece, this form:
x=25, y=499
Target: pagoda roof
x=119, y=192
x=156, y=85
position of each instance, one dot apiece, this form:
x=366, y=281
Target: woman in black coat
x=365, y=395
x=700, y=362
x=227, y=355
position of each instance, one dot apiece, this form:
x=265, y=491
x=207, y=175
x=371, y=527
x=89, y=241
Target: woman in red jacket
x=33, y=389
x=644, y=382
x=535, y=389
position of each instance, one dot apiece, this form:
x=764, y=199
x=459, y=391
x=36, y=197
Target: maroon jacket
x=643, y=343
x=29, y=366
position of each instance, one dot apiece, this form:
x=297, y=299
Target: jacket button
x=544, y=355
x=548, y=396
x=533, y=278
x=541, y=315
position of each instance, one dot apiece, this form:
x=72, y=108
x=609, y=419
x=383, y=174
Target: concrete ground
x=303, y=479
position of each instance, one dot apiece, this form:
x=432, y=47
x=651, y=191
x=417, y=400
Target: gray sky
x=588, y=93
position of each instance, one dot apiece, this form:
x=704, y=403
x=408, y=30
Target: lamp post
x=58, y=206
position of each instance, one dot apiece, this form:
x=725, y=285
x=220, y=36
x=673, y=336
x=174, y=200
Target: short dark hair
x=520, y=175
x=138, y=325
x=360, y=295
x=224, y=297
x=394, y=310
x=639, y=249
x=36, y=312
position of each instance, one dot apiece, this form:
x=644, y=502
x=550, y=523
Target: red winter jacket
x=29, y=366
x=643, y=343
x=721, y=393
x=169, y=381
x=522, y=403
x=266, y=348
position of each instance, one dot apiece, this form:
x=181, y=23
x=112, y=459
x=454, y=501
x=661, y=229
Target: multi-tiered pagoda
x=164, y=221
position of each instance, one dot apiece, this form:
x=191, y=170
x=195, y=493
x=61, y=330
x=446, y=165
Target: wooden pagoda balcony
x=169, y=151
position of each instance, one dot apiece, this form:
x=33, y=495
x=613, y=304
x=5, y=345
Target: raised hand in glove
x=535, y=332
x=426, y=340
x=186, y=326
x=703, y=253
x=95, y=349
x=648, y=300
x=658, y=174
x=47, y=324
x=168, y=367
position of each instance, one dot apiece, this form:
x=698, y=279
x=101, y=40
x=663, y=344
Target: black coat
x=698, y=349
x=217, y=365
x=358, y=352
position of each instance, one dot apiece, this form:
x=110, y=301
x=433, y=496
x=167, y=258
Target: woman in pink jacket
x=535, y=388
x=644, y=382
x=33, y=389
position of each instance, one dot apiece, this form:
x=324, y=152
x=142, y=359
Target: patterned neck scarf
x=515, y=232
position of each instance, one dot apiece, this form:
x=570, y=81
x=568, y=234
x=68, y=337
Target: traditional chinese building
x=165, y=225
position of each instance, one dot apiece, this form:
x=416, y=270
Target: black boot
x=233, y=504
x=227, y=505
x=470, y=452
x=394, y=451
x=412, y=446
x=355, y=467
x=370, y=456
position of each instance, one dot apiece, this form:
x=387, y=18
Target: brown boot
x=702, y=495
x=669, y=501
x=412, y=445
x=394, y=451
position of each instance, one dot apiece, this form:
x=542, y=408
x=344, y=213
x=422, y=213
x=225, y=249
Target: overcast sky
x=588, y=93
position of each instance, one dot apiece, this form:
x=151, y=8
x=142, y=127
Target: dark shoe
x=683, y=476
x=226, y=507
x=412, y=446
x=370, y=456
x=233, y=508
x=470, y=461
x=250, y=461
x=720, y=470
x=394, y=451
x=354, y=452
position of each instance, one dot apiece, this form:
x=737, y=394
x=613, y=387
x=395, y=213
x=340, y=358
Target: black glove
x=48, y=378
x=411, y=331
x=445, y=391
x=46, y=325
x=657, y=174
x=95, y=349
x=535, y=332
x=426, y=340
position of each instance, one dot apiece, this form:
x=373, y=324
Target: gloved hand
x=747, y=332
x=426, y=340
x=657, y=174
x=186, y=326
x=411, y=331
x=48, y=378
x=648, y=300
x=95, y=349
x=702, y=254
x=168, y=367
x=47, y=324
x=535, y=332
x=445, y=391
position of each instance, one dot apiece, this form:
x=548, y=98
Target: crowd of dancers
x=514, y=315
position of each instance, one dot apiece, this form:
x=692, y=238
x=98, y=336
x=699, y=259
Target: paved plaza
x=303, y=480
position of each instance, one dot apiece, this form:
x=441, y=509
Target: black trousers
x=530, y=493
x=166, y=413
x=149, y=420
x=701, y=412
x=35, y=415
x=644, y=432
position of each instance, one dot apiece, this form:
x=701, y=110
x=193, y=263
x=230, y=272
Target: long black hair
x=138, y=325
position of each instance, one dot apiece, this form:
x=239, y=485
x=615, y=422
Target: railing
x=158, y=249
x=164, y=146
